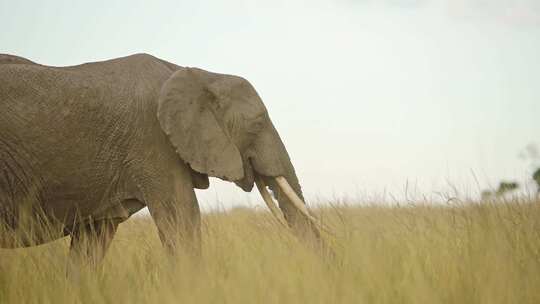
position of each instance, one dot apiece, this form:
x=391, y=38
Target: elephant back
x=12, y=59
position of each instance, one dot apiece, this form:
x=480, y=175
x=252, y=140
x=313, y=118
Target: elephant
x=82, y=148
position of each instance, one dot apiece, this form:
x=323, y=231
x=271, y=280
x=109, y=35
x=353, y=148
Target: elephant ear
x=186, y=113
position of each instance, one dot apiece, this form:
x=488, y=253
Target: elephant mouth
x=286, y=188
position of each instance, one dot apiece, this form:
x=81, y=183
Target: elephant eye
x=257, y=125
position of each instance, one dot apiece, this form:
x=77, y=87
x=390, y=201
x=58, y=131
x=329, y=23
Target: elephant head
x=220, y=127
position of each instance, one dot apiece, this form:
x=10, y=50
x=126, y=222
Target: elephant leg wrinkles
x=175, y=211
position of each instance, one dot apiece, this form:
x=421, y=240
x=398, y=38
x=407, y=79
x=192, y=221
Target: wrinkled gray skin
x=84, y=147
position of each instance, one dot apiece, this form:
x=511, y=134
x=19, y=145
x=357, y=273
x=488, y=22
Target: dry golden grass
x=476, y=253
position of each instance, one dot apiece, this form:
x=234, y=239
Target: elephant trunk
x=300, y=222
x=272, y=166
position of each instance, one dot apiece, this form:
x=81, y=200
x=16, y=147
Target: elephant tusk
x=295, y=200
x=261, y=186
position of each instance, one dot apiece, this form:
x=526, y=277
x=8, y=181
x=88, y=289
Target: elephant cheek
x=269, y=156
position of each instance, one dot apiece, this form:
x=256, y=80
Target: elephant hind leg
x=89, y=242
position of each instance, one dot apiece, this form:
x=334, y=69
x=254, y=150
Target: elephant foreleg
x=179, y=222
x=90, y=242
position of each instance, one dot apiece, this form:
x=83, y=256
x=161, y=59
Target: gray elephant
x=84, y=147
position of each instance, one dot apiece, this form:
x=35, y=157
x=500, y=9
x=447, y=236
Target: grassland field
x=460, y=253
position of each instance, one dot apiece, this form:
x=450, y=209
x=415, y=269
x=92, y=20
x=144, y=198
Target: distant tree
x=531, y=154
x=505, y=187
x=486, y=194
x=536, y=178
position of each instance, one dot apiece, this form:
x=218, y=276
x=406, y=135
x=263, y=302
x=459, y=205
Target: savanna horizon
x=478, y=252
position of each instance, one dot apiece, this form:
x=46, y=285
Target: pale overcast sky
x=368, y=95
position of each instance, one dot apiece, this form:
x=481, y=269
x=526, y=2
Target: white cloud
x=524, y=12
x=510, y=12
